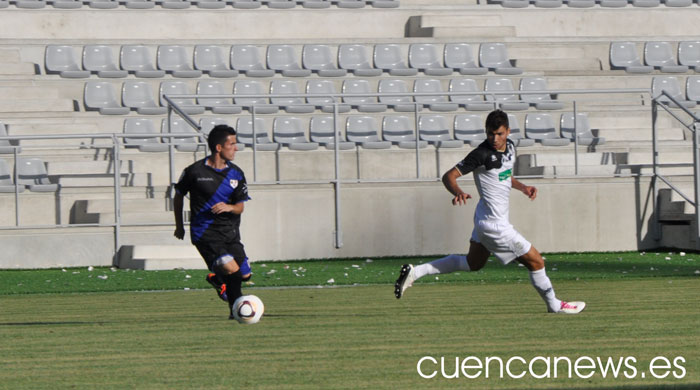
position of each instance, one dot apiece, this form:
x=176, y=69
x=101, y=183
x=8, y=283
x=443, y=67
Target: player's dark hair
x=218, y=136
x=496, y=119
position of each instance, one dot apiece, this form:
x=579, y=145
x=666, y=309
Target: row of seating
x=657, y=55
x=31, y=174
x=206, y=4
x=359, y=130
x=592, y=3
x=138, y=96
x=323, y=60
x=672, y=87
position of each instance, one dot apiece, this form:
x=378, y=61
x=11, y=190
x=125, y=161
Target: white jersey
x=493, y=171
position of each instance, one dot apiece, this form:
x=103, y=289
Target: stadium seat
x=174, y=4
x=294, y=104
x=6, y=146
x=7, y=183
x=101, y=96
x=354, y=59
x=401, y=99
x=469, y=102
x=583, y=129
x=613, y=3
x=548, y=3
x=245, y=130
x=362, y=130
x=322, y=129
x=540, y=127
x=425, y=58
x=208, y=123
x=315, y=3
x=139, y=4
x=137, y=59
x=350, y=3
x=209, y=4
x=289, y=132
x=253, y=87
x=187, y=139
x=507, y=102
x=515, y=3
x=623, y=55
x=139, y=96
x=494, y=56
x=66, y=4
x=143, y=127
x=31, y=172
x=399, y=130
x=211, y=60
x=389, y=58
x=660, y=56
x=99, y=60
x=672, y=87
x=689, y=54
x=438, y=102
x=188, y=105
x=384, y=3
x=60, y=59
x=103, y=4
x=436, y=130
x=516, y=135
x=282, y=59
x=173, y=59
x=580, y=3
x=646, y=3
x=469, y=128
x=217, y=105
x=4, y=4
x=678, y=3
x=246, y=60
x=245, y=4
x=460, y=57
x=541, y=101
x=361, y=103
x=692, y=88
x=280, y=4
x=320, y=60
x=324, y=88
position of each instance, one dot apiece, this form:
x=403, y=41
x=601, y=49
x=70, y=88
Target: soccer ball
x=248, y=309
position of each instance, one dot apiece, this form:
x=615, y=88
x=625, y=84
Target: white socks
x=543, y=286
x=445, y=265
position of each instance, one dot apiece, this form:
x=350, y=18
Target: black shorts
x=213, y=251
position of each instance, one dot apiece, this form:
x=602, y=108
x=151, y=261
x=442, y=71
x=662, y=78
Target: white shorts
x=501, y=239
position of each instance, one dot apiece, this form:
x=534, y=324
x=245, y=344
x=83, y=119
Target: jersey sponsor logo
x=205, y=179
x=505, y=175
x=234, y=183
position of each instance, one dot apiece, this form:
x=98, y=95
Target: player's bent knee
x=226, y=264
x=247, y=277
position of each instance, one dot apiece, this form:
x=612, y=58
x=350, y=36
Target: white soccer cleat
x=406, y=278
x=572, y=307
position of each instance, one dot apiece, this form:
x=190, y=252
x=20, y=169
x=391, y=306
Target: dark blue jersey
x=208, y=186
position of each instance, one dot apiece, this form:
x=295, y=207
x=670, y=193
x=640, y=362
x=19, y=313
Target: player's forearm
x=449, y=180
x=177, y=210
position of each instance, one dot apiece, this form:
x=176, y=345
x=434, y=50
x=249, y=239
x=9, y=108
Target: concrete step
x=104, y=180
x=18, y=69
x=641, y=134
x=483, y=32
x=132, y=205
x=83, y=167
x=583, y=170
x=9, y=56
x=558, y=64
x=160, y=257
x=36, y=105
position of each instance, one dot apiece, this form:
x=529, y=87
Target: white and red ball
x=248, y=309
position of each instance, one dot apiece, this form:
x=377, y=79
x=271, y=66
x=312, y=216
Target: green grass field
x=639, y=307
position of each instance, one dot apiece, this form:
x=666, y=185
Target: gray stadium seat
x=516, y=135
x=623, y=55
x=253, y=87
x=174, y=4
x=173, y=59
x=613, y=3
x=135, y=126
x=31, y=172
x=689, y=54
x=494, y=56
x=354, y=59
x=246, y=60
x=678, y=3
x=425, y=58
x=103, y=4
x=292, y=104
x=507, y=102
x=515, y=3
x=60, y=59
x=470, y=102
x=320, y=60
x=283, y=59
x=583, y=129
x=672, y=87
x=67, y=4
x=4, y=4
x=245, y=4
x=289, y=132
x=646, y=3
x=548, y=3
x=436, y=130
x=280, y=4
x=187, y=138
x=139, y=96
x=101, y=96
x=322, y=129
x=137, y=59
x=540, y=127
x=400, y=131
x=362, y=130
x=210, y=4
x=217, y=105
x=324, y=88
x=403, y=101
x=460, y=57
x=7, y=183
x=660, y=56
x=470, y=129
x=188, y=105
x=139, y=4
x=99, y=59
x=692, y=88
x=350, y=3
x=208, y=123
x=541, y=101
x=315, y=3
x=389, y=58
x=384, y=3
x=580, y=3
x=361, y=103
x=211, y=60
x=7, y=146
x=438, y=102
x=244, y=134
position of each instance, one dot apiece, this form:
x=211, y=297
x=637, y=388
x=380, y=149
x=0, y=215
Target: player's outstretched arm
x=177, y=209
x=529, y=191
x=449, y=180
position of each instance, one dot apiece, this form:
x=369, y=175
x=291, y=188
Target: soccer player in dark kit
x=218, y=193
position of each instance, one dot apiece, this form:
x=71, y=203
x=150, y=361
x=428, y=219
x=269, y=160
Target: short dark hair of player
x=218, y=136
x=495, y=120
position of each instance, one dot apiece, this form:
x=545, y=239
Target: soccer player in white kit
x=492, y=164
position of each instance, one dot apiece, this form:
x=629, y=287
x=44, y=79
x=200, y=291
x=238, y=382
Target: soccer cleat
x=572, y=307
x=220, y=288
x=405, y=280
